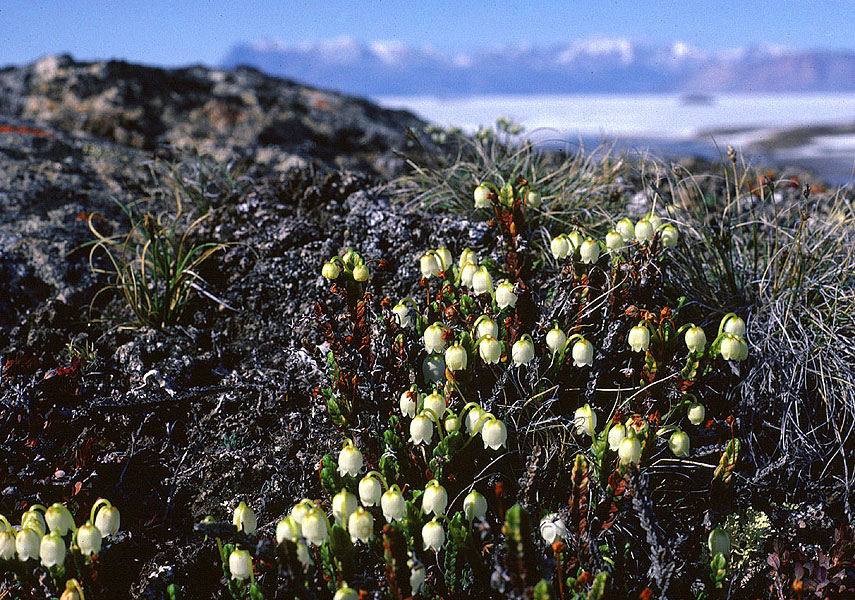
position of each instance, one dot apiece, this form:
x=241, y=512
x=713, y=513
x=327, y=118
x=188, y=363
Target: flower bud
x=430, y=266
x=433, y=367
x=629, y=450
x=614, y=240
x=315, y=527
x=436, y=404
x=475, y=505
x=392, y=504
x=52, y=550
x=370, y=490
x=434, y=499
x=349, y=460
x=626, y=229
x=244, y=519
x=576, y=240
x=696, y=413
x=407, y=404
x=473, y=417
x=643, y=230
x=522, y=351
x=89, y=539
x=287, y=529
x=552, y=528
x=586, y=420
x=452, y=423
x=343, y=505
x=467, y=257
x=556, y=339
x=486, y=327
x=330, y=270
x=482, y=283
x=107, y=520
x=240, y=564
x=696, y=339
x=560, y=247
x=679, y=443
x=583, y=353
x=467, y=273
x=505, y=295
x=589, y=251
x=433, y=535
x=719, y=542
x=434, y=338
x=669, y=236
x=654, y=221
x=445, y=258
x=58, y=518
x=490, y=350
x=360, y=273
x=27, y=543
x=735, y=326
x=481, y=199
x=360, y=525
x=639, y=338
x=421, y=430
x=351, y=258
x=616, y=435
x=533, y=199
x=7, y=545
x=346, y=593
x=494, y=433
x=455, y=358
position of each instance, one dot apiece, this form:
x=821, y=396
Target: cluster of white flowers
x=48, y=534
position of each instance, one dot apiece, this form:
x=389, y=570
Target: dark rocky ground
x=176, y=424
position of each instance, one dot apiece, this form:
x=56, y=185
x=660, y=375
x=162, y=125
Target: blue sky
x=183, y=32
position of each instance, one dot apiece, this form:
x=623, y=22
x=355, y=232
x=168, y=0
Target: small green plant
x=154, y=266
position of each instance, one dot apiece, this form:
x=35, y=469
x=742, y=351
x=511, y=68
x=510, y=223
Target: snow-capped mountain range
x=598, y=65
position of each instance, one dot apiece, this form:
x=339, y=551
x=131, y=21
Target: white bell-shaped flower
x=52, y=550
x=556, y=339
x=505, y=295
x=421, y=430
x=490, y=350
x=455, y=358
x=467, y=273
x=434, y=498
x=27, y=543
x=735, y=326
x=315, y=527
x=560, y=247
x=583, y=353
x=481, y=196
x=360, y=525
x=494, y=433
x=287, y=529
x=473, y=418
x=89, y=539
x=482, y=283
x=429, y=265
x=616, y=435
x=402, y=313
x=639, y=338
x=434, y=338
x=240, y=565
x=679, y=443
x=486, y=327
x=370, y=490
x=643, y=230
x=433, y=535
x=107, y=520
x=614, y=240
x=244, y=519
x=435, y=403
x=626, y=229
x=696, y=413
x=475, y=505
x=522, y=352
x=696, y=339
x=349, y=460
x=669, y=236
x=393, y=505
x=589, y=251
x=629, y=450
x=343, y=505
x=407, y=404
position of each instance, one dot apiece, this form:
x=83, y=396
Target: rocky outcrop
x=271, y=121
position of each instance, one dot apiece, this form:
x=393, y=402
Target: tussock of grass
x=748, y=244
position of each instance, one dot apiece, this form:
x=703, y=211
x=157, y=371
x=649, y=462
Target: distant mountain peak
x=591, y=65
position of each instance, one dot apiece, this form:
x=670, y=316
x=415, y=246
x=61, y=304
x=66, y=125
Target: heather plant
x=49, y=555
x=588, y=404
